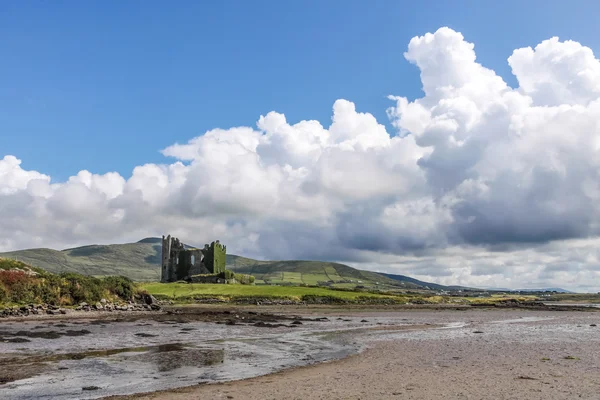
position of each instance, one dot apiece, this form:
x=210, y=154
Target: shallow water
x=131, y=357
x=142, y=356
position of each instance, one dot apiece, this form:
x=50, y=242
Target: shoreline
x=373, y=374
x=472, y=364
x=396, y=342
x=298, y=309
x=280, y=373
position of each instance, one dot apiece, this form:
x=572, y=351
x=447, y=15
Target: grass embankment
x=575, y=298
x=182, y=293
x=498, y=298
x=185, y=292
x=22, y=284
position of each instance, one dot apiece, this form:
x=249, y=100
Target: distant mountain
x=427, y=285
x=312, y=272
x=141, y=261
x=558, y=290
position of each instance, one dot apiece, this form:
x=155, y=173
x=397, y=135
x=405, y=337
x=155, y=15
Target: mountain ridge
x=141, y=261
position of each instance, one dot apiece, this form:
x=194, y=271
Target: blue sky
x=486, y=186
x=104, y=85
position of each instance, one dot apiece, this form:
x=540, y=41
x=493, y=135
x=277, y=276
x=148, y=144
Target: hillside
x=140, y=261
x=311, y=273
x=426, y=285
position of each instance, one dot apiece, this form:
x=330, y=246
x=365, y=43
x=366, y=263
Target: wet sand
x=197, y=353
x=479, y=354
x=74, y=358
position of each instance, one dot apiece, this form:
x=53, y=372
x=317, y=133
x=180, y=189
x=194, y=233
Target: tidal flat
x=382, y=353
x=92, y=358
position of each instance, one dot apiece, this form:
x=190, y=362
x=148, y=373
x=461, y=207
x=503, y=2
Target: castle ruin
x=180, y=262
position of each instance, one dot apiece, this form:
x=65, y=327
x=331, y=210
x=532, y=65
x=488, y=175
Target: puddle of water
x=453, y=325
x=172, y=357
x=521, y=320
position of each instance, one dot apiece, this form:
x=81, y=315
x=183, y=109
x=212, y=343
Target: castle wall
x=198, y=267
x=165, y=272
x=179, y=263
x=215, y=257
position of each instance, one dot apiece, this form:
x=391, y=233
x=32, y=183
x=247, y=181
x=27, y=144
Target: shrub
x=81, y=288
x=227, y=274
x=20, y=283
x=120, y=286
x=244, y=279
x=3, y=294
x=49, y=290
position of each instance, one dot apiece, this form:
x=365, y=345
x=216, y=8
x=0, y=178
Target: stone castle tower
x=181, y=263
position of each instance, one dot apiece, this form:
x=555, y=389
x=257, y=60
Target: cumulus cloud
x=480, y=184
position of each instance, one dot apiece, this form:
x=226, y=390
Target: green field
x=183, y=291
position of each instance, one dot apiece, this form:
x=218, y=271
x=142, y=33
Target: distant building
x=180, y=262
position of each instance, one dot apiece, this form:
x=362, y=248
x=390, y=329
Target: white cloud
x=481, y=185
x=557, y=72
x=14, y=179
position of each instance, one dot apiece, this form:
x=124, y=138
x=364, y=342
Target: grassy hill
x=427, y=285
x=311, y=273
x=140, y=261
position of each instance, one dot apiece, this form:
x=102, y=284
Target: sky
x=451, y=141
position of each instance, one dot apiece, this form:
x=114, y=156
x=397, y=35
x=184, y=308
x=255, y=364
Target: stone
x=149, y=299
x=103, y=301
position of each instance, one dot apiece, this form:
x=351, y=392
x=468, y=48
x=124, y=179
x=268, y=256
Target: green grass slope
x=428, y=285
x=141, y=262
x=138, y=261
x=182, y=291
x=312, y=273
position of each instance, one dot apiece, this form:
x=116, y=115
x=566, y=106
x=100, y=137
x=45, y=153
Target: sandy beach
x=496, y=354
x=309, y=353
